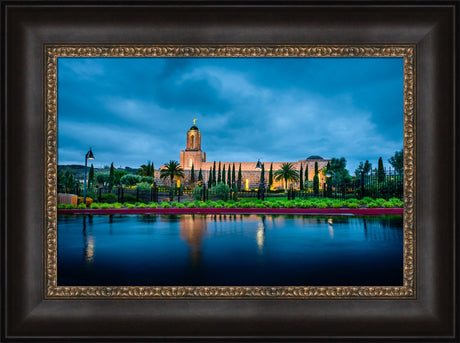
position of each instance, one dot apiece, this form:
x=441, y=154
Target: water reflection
x=192, y=231
x=229, y=250
x=260, y=236
x=88, y=243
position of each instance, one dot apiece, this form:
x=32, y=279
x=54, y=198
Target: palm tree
x=286, y=173
x=171, y=170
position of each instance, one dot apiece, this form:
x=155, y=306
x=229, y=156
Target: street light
x=89, y=156
x=334, y=179
x=262, y=181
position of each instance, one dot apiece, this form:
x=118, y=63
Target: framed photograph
x=255, y=179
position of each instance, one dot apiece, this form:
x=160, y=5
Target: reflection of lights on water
x=260, y=236
x=331, y=228
x=89, y=252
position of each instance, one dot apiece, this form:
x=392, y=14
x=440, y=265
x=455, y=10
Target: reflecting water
x=278, y=250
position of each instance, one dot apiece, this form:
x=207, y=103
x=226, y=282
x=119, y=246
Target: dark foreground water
x=222, y=250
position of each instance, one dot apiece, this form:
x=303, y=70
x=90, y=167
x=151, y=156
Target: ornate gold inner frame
x=52, y=290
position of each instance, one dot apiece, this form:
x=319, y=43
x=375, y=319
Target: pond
x=229, y=250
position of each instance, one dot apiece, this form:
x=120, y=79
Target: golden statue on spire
x=194, y=120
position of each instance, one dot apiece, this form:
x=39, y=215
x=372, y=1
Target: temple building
x=194, y=156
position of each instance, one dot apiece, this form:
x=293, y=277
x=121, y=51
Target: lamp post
x=262, y=181
x=329, y=174
x=89, y=156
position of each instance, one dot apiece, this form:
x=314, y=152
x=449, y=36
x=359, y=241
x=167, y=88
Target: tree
x=286, y=173
x=316, y=180
x=130, y=180
x=397, y=161
x=306, y=173
x=223, y=174
x=341, y=174
x=270, y=176
x=192, y=175
x=240, y=178
x=171, y=169
x=91, y=176
x=301, y=177
x=210, y=182
x=380, y=171
x=117, y=175
x=214, y=174
x=219, y=175
x=229, y=176
x=103, y=179
x=69, y=181
x=111, y=176
x=146, y=170
x=233, y=174
x=200, y=175
x=364, y=167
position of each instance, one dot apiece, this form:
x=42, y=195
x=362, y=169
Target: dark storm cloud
x=134, y=110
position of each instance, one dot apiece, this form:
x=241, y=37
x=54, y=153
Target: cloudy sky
x=134, y=110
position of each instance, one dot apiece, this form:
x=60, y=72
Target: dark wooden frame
x=27, y=26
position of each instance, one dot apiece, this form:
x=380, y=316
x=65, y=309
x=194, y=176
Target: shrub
x=218, y=206
x=117, y=205
x=191, y=205
x=380, y=201
x=152, y=205
x=353, y=205
x=231, y=205
x=321, y=205
x=95, y=205
x=129, y=198
x=143, y=186
x=70, y=206
x=221, y=191
x=61, y=206
x=81, y=206
x=337, y=204
x=365, y=200
x=104, y=205
x=165, y=205
x=388, y=204
x=197, y=192
x=290, y=204
x=260, y=205
x=180, y=206
x=131, y=206
x=109, y=197
x=142, y=205
x=372, y=204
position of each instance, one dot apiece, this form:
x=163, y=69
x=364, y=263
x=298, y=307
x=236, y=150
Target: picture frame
x=29, y=313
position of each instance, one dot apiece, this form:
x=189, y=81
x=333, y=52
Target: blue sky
x=134, y=110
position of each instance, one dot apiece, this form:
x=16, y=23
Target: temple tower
x=192, y=155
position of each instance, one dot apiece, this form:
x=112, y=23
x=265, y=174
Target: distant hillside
x=79, y=170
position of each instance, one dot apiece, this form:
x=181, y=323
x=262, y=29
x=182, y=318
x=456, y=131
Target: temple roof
x=194, y=128
x=315, y=157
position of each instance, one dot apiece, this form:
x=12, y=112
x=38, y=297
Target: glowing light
x=246, y=187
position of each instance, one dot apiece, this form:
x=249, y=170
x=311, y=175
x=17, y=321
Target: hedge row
x=247, y=203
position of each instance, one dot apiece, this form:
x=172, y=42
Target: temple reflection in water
x=192, y=230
